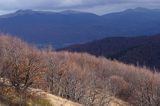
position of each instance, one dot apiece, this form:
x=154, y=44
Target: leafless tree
x=147, y=92
x=62, y=80
x=97, y=91
x=21, y=64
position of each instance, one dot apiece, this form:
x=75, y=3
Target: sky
x=94, y=6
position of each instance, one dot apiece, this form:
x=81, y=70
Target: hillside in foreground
x=41, y=98
x=143, y=51
x=79, y=77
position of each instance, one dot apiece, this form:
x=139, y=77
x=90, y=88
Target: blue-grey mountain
x=69, y=27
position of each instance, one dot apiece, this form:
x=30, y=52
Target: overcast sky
x=95, y=6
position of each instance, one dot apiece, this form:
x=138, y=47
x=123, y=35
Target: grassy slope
x=58, y=101
x=41, y=98
x=54, y=100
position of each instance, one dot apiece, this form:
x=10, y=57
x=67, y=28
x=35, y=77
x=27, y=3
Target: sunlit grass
x=8, y=95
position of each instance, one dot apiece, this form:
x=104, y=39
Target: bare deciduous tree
x=147, y=92
x=21, y=64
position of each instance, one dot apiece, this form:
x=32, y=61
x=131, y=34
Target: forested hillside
x=79, y=77
x=143, y=51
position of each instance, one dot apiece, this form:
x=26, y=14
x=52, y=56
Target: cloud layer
x=10, y=5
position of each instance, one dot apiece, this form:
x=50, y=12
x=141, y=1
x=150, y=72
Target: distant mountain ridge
x=61, y=29
x=131, y=50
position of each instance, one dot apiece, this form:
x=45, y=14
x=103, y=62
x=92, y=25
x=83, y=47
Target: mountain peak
x=138, y=9
x=141, y=9
x=18, y=12
x=28, y=11
x=70, y=12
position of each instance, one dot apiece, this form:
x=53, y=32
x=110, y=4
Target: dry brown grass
x=58, y=101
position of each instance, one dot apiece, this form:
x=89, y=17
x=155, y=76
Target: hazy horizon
x=9, y=12
x=98, y=7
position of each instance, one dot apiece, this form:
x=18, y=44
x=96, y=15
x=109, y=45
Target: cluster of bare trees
x=68, y=80
x=99, y=79
x=147, y=92
x=20, y=65
x=78, y=77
